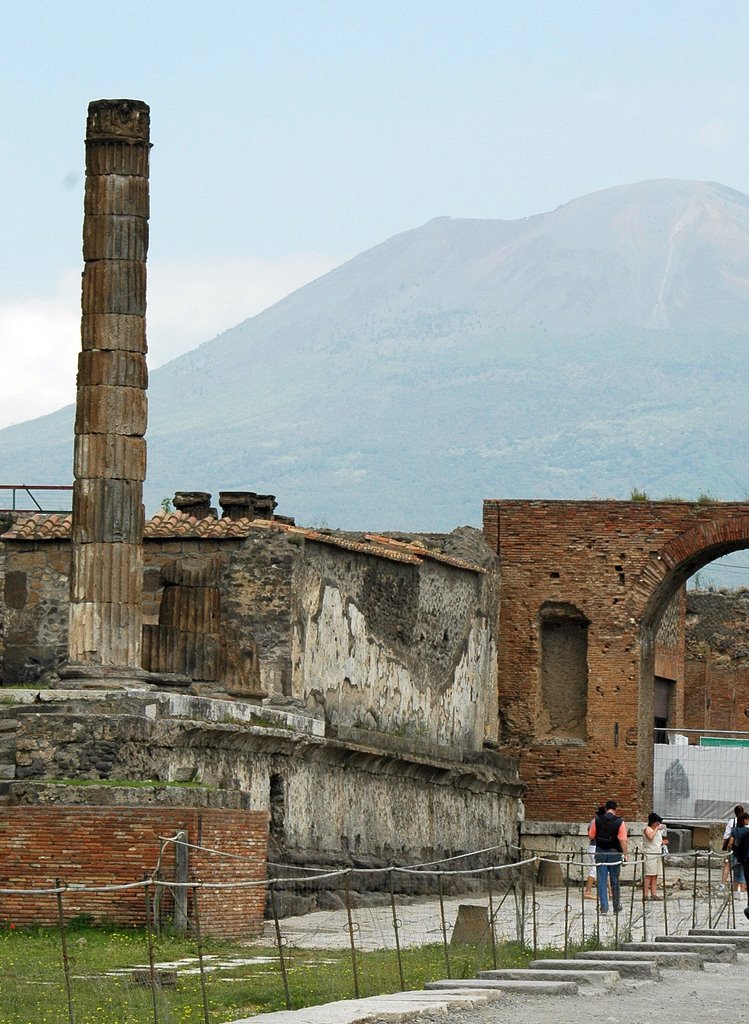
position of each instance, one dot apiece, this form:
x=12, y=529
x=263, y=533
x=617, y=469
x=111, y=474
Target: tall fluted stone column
x=110, y=425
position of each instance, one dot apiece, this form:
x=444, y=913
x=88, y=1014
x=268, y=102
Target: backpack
x=741, y=846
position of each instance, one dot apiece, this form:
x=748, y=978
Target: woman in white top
x=653, y=841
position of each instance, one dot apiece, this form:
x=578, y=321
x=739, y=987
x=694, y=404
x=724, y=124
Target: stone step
x=395, y=1006
x=722, y=934
x=625, y=968
x=681, y=961
x=738, y=939
x=529, y=987
x=715, y=952
x=602, y=978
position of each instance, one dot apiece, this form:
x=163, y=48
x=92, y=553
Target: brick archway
x=619, y=564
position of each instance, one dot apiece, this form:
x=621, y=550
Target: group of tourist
x=608, y=850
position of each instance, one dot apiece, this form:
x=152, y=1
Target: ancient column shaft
x=111, y=410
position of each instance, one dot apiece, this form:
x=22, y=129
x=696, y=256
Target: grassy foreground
x=243, y=980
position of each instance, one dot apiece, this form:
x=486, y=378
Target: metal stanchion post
x=444, y=923
x=354, y=968
x=665, y=893
x=199, y=943
x=395, y=931
x=492, y=936
x=533, y=910
x=567, y=909
x=149, y=940
x=64, y=947
x=279, y=944
x=694, y=891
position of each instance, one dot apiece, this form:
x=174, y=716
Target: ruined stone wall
x=35, y=603
x=336, y=803
x=397, y=649
x=717, y=667
x=113, y=845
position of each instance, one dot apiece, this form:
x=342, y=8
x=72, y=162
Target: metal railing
x=23, y=498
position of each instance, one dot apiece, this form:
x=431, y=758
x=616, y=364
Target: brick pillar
x=106, y=578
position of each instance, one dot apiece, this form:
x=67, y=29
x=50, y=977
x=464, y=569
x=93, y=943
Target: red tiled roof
x=40, y=527
x=424, y=552
x=171, y=525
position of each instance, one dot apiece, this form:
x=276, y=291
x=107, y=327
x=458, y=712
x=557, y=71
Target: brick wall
x=114, y=845
x=618, y=565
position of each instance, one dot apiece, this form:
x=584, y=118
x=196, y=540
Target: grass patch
x=244, y=979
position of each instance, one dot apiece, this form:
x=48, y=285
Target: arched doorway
x=591, y=580
x=664, y=577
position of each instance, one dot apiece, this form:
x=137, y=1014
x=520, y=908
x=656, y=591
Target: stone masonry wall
x=115, y=845
x=717, y=691
x=404, y=650
x=335, y=802
x=397, y=649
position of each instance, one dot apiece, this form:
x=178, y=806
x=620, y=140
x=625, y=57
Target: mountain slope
x=572, y=354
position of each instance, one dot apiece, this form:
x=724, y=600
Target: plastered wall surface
x=407, y=650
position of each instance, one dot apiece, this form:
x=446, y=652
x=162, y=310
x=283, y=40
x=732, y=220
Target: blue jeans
x=608, y=867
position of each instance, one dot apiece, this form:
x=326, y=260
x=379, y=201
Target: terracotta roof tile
x=40, y=527
x=424, y=552
x=169, y=525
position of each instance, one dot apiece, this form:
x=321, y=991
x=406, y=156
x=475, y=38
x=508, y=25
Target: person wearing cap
x=653, y=839
x=610, y=834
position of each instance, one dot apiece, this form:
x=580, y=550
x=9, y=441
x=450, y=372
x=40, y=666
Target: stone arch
x=619, y=562
x=665, y=573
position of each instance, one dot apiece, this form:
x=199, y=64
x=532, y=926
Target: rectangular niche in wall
x=563, y=697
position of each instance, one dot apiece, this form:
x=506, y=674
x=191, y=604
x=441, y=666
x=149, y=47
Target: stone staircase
x=593, y=969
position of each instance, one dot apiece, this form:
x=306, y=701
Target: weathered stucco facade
x=375, y=740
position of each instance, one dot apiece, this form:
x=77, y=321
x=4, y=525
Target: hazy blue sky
x=289, y=136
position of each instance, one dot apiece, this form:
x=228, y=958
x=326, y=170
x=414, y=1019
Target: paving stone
x=716, y=952
x=625, y=968
x=602, y=978
x=680, y=961
x=528, y=987
x=738, y=937
x=398, y=1006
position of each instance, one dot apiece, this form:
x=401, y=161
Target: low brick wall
x=115, y=845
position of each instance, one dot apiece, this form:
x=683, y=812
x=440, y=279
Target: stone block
x=118, y=194
x=183, y=574
x=105, y=634
x=471, y=926
x=113, y=331
x=112, y=368
x=112, y=573
x=111, y=410
x=110, y=456
x=117, y=158
x=167, y=649
x=192, y=609
x=115, y=238
x=115, y=286
x=107, y=511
